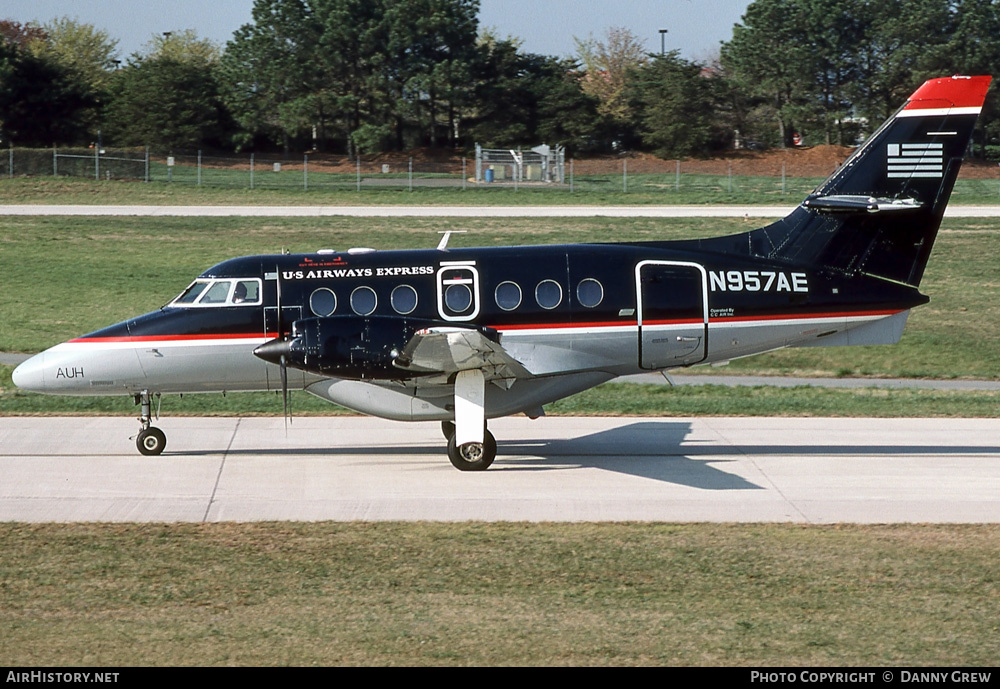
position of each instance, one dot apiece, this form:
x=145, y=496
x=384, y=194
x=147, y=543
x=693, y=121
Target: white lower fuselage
x=563, y=360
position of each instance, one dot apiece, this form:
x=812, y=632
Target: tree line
x=367, y=76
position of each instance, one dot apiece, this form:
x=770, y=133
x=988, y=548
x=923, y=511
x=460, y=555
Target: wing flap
x=450, y=350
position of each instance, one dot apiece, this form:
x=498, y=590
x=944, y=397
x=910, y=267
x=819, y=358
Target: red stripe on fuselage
x=690, y=321
x=202, y=337
x=175, y=338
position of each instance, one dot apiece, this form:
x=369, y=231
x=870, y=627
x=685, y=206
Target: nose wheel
x=151, y=440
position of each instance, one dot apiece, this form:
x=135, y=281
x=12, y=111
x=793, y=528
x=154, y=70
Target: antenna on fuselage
x=443, y=244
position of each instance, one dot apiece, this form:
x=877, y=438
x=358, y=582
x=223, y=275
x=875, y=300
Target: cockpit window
x=204, y=292
x=217, y=293
x=246, y=292
x=192, y=293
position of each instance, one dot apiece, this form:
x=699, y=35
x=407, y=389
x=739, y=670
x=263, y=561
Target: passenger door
x=672, y=313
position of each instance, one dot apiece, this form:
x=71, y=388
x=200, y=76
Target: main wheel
x=447, y=429
x=151, y=441
x=473, y=456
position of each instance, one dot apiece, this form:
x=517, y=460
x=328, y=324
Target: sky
x=694, y=27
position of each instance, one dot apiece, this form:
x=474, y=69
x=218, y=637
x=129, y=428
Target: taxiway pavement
x=814, y=470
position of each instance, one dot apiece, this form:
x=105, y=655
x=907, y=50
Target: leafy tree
x=18, y=35
x=431, y=48
x=40, y=103
x=87, y=53
x=673, y=102
x=607, y=65
x=527, y=99
x=834, y=36
x=165, y=103
x=903, y=44
x=270, y=74
x=974, y=48
x=182, y=46
x=374, y=71
x=769, y=59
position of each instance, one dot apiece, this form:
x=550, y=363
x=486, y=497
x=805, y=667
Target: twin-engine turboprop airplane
x=464, y=335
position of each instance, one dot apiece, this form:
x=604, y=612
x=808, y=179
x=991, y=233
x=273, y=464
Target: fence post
x=730, y=178
x=251, y=171
x=305, y=172
x=55, y=161
x=409, y=174
x=358, y=172
x=97, y=163
x=625, y=175
x=783, y=190
x=10, y=168
x=677, y=176
x=571, y=175
x=463, y=173
x=147, y=164
x=199, y=168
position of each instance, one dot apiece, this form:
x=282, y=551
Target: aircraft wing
x=450, y=350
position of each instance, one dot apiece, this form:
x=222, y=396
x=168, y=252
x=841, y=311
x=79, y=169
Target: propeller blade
x=284, y=391
x=281, y=322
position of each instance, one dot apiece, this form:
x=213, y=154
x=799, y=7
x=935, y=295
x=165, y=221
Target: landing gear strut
x=151, y=440
x=471, y=447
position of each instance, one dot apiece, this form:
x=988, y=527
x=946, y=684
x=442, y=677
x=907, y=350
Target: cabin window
x=589, y=293
x=403, y=299
x=363, y=301
x=508, y=295
x=323, y=301
x=458, y=297
x=548, y=294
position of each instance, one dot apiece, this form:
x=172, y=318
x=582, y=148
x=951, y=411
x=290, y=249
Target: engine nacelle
x=355, y=347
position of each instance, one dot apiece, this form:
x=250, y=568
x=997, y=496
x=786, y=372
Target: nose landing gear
x=150, y=440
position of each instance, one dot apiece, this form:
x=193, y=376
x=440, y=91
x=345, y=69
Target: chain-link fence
x=95, y=163
x=768, y=174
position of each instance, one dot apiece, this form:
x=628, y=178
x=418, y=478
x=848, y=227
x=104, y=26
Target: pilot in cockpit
x=240, y=293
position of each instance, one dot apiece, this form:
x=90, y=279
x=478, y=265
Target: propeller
x=283, y=360
x=285, y=413
x=276, y=352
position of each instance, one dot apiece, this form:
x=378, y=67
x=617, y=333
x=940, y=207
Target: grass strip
x=644, y=189
x=498, y=594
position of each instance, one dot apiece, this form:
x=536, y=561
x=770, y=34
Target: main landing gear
x=472, y=456
x=151, y=440
x=471, y=447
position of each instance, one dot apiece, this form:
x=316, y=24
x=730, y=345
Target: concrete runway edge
x=567, y=469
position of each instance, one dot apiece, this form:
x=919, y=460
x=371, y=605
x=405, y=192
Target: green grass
x=233, y=189
x=498, y=594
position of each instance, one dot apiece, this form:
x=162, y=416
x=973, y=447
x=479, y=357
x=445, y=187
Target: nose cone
x=29, y=375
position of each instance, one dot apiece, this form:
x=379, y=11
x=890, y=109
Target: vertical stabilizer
x=879, y=213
